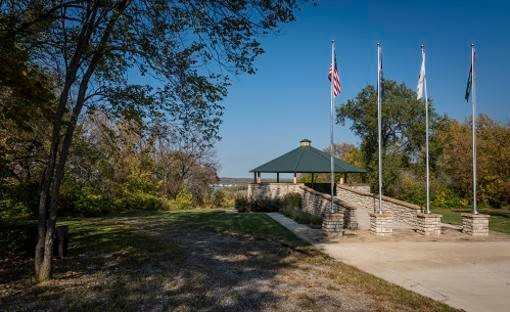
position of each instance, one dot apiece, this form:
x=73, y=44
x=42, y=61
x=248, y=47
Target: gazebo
x=304, y=159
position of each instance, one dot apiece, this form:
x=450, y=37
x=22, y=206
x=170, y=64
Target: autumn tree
x=91, y=47
x=493, y=158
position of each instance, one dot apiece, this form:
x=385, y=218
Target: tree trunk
x=55, y=170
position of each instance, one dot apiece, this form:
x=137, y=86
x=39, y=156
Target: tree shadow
x=169, y=262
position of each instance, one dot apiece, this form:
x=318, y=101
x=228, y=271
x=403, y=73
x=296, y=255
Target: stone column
x=381, y=224
x=428, y=224
x=475, y=224
x=333, y=223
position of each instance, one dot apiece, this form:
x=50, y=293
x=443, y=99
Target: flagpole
x=380, y=210
x=473, y=126
x=426, y=130
x=331, y=125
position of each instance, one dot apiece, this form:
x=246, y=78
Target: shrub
x=18, y=201
x=265, y=205
x=90, y=205
x=242, y=204
x=291, y=200
x=291, y=207
x=184, y=199
x=448, y=199
x=218, y=198
x=301, y=216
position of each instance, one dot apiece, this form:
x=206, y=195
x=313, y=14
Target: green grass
x=190, y=260
x=253, y=223
x=499, y=220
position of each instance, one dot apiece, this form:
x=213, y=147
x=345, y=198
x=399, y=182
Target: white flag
x=421, y=79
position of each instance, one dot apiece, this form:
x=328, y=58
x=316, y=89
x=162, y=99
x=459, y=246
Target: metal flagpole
x=473, y=106
x=379, y=123
x=426, y=128
x=331, y=122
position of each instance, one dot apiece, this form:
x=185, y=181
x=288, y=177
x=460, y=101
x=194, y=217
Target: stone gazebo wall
x=268, y=190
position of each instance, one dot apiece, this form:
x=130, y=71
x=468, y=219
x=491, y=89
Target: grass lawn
x=207, y=260
x=499, y=220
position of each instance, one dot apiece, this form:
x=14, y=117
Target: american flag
x=333, y=71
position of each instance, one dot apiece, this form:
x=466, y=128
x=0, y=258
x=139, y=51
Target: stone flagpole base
x=381, y=224
x=475, y=224
x=429, y=224
x=333, y=223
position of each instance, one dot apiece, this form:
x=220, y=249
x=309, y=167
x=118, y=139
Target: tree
x=91, y=46
x=403, y=129
x=493, y=158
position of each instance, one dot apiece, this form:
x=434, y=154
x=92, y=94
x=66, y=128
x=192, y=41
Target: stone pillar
x=333, y=223
x=475, y=224
x=428, y=224
x=295, y=178
x=381, y=224
x=258, y=177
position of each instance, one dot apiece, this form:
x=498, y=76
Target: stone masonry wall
x=400, y=210
x=360, y=187
x=318, y=203
x=272, y=190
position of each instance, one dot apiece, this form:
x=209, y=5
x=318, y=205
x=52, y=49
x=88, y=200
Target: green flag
x=469, y=82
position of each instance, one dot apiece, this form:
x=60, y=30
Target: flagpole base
x=333, y=223
x=381, y=224
x=475, y=224
x=429, y=224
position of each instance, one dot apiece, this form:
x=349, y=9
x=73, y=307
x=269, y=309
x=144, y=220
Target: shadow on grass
x=167, y=261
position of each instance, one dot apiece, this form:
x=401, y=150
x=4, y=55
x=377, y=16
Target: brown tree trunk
x=55, y=171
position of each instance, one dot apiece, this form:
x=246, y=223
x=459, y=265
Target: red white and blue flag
x=333, y=74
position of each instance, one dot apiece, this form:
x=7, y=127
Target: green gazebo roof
x=306, y=159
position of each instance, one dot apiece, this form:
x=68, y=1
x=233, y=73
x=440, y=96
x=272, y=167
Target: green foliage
x=13, y=240
x=18, y=200
x=184, y=199
x=447, y=198
x=291, y=207
x=218, y=198
x=403, y=120
x=87, y=203
x=244, y=204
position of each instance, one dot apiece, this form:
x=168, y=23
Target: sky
x=288, y=99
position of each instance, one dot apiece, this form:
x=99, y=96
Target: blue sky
x=266, y=114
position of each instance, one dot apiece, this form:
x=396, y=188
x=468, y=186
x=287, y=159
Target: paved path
x=472, y=275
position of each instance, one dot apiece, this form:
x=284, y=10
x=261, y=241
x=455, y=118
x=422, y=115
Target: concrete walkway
x=471, y=275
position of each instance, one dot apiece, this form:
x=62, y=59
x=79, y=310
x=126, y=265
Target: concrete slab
x=467, y=274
